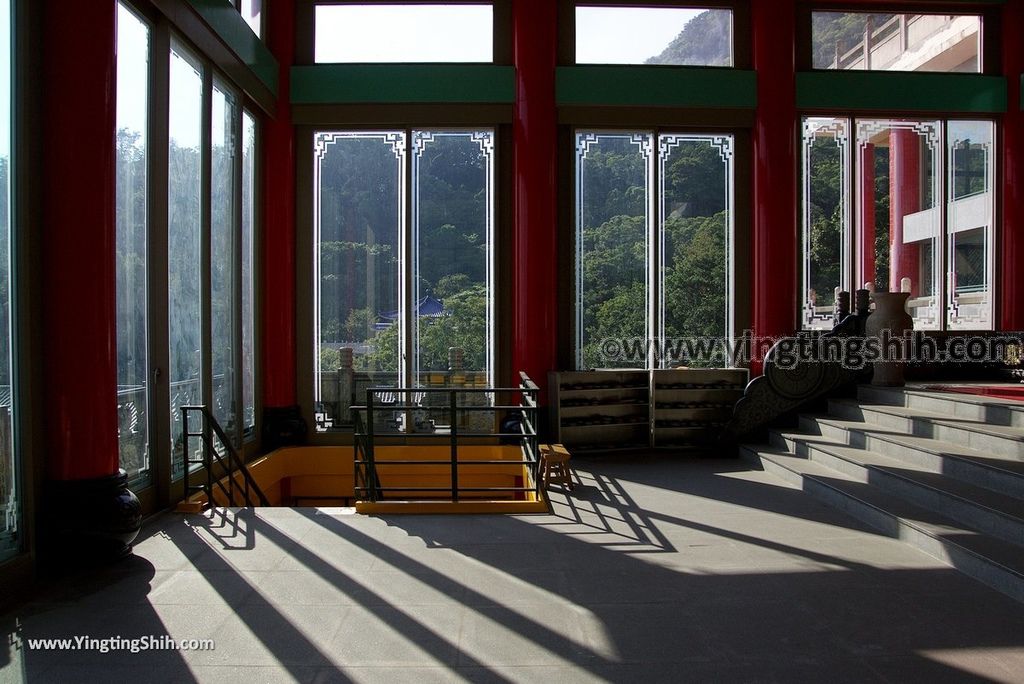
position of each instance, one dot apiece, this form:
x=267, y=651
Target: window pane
x=896, y=42
x=132, y=247
x=10, y=498
x=653, y=35
x=969, y=224
x=249, y=194
x=826, y=216
x=358, y=186
x=453, y=214
x=696, y=228
x=222, y=258
x=404, y=33
x=613, y=215
x=899, y=184
x=184, y=243
x=252, y=11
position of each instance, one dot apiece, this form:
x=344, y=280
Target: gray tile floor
x=654, y=570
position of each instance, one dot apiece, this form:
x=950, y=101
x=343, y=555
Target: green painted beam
x=901, y=91
x=228, y=24
x=656, y=86
x=418, y=83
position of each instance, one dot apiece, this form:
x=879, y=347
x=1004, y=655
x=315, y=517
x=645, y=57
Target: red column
x=867, y=215
x=904, y=199
x=1010, y=290
x=775, y=243
x=534, y=247
x=279, y=220
x=79, y=311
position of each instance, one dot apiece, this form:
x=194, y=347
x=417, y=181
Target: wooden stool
x=554, y=466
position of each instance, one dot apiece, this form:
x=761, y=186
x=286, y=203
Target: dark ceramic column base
x=90, y=520
x=283, y=426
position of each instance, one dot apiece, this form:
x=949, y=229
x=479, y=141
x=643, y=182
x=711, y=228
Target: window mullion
x=655, y=322
x=944, y=248
x=157, y=277
x=237, y=372
x=205, y=258
x=407, y=242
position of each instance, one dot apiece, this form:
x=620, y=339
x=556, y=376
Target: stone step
x=954, y=405
x=995, y=562
x=981, y=509
x=975, y=434
x=998, y=473
x=984, y=469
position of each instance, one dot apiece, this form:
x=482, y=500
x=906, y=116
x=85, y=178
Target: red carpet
x=1014, y=392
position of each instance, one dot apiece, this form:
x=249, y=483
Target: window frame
x=654, y=274
x=941, y=260
x=742, y=57
x=19, y=246
x=146, y=480
x=162, y=489
x=469, y=117
x=305, y=34
x=991, y=40
x=651, y=5
x=408, y=247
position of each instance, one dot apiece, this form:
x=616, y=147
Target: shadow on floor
x=660, y=570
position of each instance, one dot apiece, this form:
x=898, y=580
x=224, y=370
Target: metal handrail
x=230, y=463
x=367, y=482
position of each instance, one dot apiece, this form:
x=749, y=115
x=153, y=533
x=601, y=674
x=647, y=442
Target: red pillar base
x=283, y=426
x=92, y=520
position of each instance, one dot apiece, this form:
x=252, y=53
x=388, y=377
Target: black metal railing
x=221, y=456
x=517, y=426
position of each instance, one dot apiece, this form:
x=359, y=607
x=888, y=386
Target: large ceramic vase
x=891, y=321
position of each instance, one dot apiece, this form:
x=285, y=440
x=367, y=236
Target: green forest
x=613, y=237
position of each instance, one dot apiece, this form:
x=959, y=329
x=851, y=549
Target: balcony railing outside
x=345, y=387
x=133, y=418
x=492, y=414
x=891, y=44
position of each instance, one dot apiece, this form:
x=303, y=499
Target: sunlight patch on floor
x=993, y=664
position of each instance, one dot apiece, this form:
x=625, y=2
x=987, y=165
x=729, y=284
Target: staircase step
x=953, y=405
x=994, y=562
x=984, y=510
x=984, y=469
x=1003, y=440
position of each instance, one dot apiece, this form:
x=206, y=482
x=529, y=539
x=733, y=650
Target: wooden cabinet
x=611, y=410
x=690, y=406
x=600, y=410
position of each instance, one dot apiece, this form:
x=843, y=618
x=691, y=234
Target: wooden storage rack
x=690, y=406
x=632, y=410
x=600, y=410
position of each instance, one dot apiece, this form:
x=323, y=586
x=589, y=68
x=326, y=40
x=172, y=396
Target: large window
x=184, y=241
x=896, y=42
x=654, y=35
x=10, y=494
x=133, y=51
x=900, y=205
x=654, y=226
x=387, y=32
x=185, y=298
x=224, y=304
x=404, y=276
